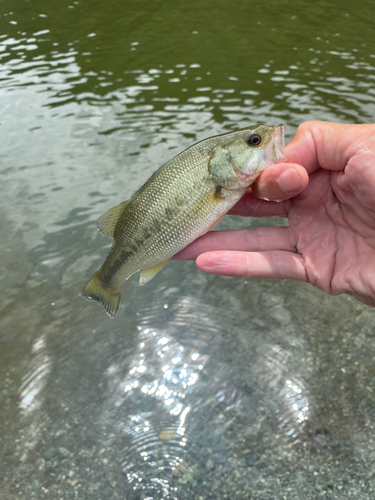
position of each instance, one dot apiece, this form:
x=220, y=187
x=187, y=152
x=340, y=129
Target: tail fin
x=94, y=290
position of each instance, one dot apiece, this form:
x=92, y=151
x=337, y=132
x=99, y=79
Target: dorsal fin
x=108, y=221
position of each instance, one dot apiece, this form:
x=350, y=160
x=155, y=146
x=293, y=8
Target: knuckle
x=307, y=127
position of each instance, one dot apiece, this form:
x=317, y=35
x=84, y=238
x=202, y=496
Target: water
x=203, y=386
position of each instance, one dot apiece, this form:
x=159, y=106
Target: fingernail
x=289, y=181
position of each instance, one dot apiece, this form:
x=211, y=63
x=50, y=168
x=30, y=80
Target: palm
x=334, y=232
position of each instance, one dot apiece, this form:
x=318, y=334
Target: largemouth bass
x=181, y=201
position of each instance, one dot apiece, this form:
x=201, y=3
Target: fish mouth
x=278, y=144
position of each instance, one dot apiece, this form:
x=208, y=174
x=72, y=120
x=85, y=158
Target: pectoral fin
x=108, y=221
x=149, y=272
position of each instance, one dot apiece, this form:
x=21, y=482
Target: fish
x=181, y=201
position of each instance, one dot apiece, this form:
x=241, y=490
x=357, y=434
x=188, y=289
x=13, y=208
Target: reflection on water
x=34, y=381
x=202, y=387
x=168, y=381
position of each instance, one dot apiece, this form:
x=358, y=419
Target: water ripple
x=160, y=379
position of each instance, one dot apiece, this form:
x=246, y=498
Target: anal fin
x=149, y=272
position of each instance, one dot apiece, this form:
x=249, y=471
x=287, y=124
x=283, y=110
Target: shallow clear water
x=203, y=386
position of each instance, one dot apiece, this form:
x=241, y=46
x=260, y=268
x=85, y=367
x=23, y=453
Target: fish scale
x=181, y=201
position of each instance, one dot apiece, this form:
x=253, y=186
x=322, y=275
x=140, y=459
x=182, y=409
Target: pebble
x=49, y=453
x=64, y=452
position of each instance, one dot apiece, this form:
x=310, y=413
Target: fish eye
x=254, y=140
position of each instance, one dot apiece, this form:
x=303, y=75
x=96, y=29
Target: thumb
x=328, y=145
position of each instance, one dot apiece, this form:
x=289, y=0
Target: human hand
x=330, y=240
